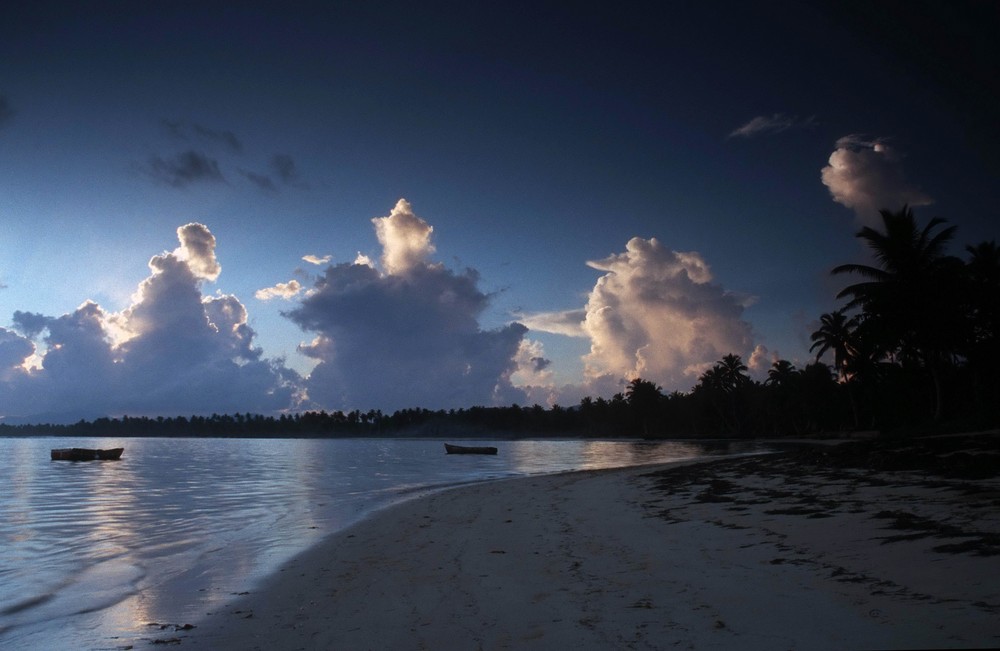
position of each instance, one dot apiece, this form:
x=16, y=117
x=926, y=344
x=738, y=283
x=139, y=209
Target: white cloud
x=533, y=369
x=14, y=350
x=760, y=362
x=408, y=335
x=776, y=123
x=173, y=351
x=197, y=249
x=281, y=290
x=567, y=322
x=317, y=260
x=866, y=175
x=405, y=239
x=656, y=314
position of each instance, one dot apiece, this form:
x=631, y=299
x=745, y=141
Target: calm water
x=91, y=553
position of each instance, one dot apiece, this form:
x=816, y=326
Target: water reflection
x=95, y=551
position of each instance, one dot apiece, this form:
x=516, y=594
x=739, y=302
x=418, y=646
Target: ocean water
x=93, y=554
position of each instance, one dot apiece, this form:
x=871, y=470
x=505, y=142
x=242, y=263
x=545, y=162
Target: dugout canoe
x=467, y=449
x=86, y=454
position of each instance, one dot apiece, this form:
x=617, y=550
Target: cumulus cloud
x=533, y=368
x=184, y=169
x=656, y=314
x=405, y=239
x=767, y=125
x=14, y=350
x=407, y=334
x=866, y=175
x=183, y=130
x=286, y=291
x=6, y=112
x=172, y=351
x=316, y=259
x=760, y=361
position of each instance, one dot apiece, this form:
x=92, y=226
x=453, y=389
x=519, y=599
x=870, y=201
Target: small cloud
x=262, y=181
x=6, y=112
x=539, y=364
x=286, y=291
x=767, y=125
x=865, y=174
x=181, y=130
x=284, y=166
x=317, y=260
x=185, y=168
x=567, y=322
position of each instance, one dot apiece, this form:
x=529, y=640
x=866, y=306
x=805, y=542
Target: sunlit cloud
x=407, y=334
x=405, y=239
x=197, y=249
x=767, y=125
x=760, y=361
x=174, y=350
x=14, y=350
x=316, y=259
x=567, y=322
x=866, y=175
x=533, y=368
x=655, y=314
x=286, y=291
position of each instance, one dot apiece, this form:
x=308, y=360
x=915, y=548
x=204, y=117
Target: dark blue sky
x=533, y=138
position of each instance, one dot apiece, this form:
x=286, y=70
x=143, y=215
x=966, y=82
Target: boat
x=86, y=454
x=466, y=449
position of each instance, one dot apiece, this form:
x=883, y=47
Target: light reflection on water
x=92, y=552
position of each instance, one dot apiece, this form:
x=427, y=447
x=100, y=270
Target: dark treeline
x=914, y=349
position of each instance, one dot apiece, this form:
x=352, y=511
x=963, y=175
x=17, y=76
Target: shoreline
x=750, y=552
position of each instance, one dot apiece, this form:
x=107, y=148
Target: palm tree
x=732, y=372
x=982, y=350
x=905, y=300
x=782, y=373
x=644, y=398
x=836, y=333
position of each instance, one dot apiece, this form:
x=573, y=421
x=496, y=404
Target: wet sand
x=820, y=550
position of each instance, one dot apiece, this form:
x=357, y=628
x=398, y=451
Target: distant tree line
x=915, y=348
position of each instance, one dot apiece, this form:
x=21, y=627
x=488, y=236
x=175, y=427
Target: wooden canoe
x=86, y=454
x=466, y=449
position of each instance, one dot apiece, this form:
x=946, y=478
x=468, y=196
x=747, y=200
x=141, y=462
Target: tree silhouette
x=781, y=374
x=909, y=299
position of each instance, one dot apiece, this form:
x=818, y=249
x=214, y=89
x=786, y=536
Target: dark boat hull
x=86, y=454
x=465, y=449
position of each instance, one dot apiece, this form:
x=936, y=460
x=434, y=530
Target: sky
x=273, y=207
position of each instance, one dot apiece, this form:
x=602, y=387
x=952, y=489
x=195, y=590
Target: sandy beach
x=816, y=550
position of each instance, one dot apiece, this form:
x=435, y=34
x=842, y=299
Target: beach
x=817, y=549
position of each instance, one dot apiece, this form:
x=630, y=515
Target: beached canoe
x=465, y=449
x=86, y=454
